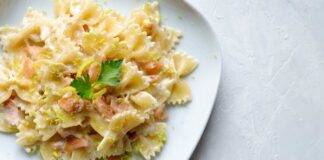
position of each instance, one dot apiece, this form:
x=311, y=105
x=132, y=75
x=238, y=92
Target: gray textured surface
x=271, y=99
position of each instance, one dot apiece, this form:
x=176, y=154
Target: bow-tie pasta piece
x=180, y=93
x=144, y=101
x=184, y=63
x=132, y=79
x=151, y=140
x=119, y=125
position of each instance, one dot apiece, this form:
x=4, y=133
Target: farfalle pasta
x=90, y=83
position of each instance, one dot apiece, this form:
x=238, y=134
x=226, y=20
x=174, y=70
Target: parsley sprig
x=110, y=73
x=109, y=76
x=83, y=87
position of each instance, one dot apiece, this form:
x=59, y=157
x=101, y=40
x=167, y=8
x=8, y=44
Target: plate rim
x=219, y=52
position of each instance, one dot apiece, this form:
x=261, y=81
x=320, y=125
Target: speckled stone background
x=270, y=104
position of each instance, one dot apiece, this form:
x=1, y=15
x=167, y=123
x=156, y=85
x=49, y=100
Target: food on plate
x=91, y=83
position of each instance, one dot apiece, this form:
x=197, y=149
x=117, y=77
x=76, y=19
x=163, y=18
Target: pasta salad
x=90, y=83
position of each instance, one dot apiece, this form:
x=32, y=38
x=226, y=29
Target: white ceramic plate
x=186, y=123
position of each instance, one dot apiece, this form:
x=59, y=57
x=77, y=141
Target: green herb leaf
x=110, y=73
x=83, y=87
